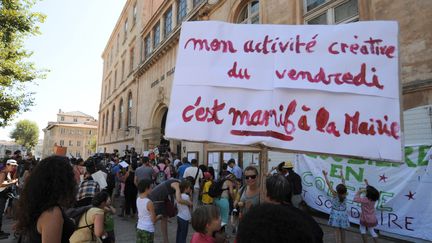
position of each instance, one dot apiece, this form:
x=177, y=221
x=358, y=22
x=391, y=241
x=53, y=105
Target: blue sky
x=73, y=38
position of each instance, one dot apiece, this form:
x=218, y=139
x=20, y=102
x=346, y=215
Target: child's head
x=100, y=198
x=207, y=176
x=144, y=185
x=372, y=193
x=185, y=186
x=191, y=180
x=206, y=219
x=341, y=191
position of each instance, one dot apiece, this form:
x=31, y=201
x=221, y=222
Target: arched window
x=113, y=118
x=129, y=110
x=106, y=125
x=120, y=114
x=103, y=124
x=250, y=13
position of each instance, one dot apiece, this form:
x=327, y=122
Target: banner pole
x=263, y=172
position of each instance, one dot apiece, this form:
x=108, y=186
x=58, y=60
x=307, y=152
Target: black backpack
x=110, y=178
x=75, y=215
x=215, y=189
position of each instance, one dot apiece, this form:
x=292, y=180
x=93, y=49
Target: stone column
x=151, y=41
x=189, y=6
x=162, y=28
x=174, y=14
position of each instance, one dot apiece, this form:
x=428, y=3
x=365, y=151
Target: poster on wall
x=405, y=203
x=192, y=155
x=330, y=89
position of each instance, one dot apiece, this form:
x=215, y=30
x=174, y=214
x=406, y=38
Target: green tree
x=26, y=133
x=92, y=145
x=17, y=22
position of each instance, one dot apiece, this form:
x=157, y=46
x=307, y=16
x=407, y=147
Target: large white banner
x=329, y=89
x=405, y=204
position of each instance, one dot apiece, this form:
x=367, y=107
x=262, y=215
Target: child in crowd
x=338, y=214
x=109, y=222
x=184, y=214
x=208, y=180
x=206, y=222
x=146, y=213
x=367, y=215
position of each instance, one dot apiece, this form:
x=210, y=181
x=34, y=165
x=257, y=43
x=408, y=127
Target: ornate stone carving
x=161, y=93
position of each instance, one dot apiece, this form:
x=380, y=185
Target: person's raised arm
x=342, y=177
x=366, y=182
x=178, y=198
x=328, y=183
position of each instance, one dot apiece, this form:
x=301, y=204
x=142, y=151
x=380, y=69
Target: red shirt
x=201, y=238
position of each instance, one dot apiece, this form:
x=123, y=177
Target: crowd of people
x=72, y=200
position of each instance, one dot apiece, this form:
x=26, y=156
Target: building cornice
x=415, y=86
x=116, y=141
x=163, y=48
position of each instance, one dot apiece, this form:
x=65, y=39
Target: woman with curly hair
x=49, y=188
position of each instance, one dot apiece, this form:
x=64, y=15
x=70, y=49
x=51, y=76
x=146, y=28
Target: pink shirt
x=201, y=238
x=163, y=168
x=367, y=215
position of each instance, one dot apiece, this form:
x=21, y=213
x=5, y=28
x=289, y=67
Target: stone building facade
x=9, y=145
x=73, y=130
x=134, y=103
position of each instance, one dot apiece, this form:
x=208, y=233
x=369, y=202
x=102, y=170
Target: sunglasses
x=251, y=177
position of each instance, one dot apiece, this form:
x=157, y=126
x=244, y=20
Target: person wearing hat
x=295, y=181
x=6, y=182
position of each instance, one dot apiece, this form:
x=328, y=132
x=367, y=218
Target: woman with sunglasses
x=249, y=194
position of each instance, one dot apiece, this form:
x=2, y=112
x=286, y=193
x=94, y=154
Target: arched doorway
x=164, y=144
x=157, y=138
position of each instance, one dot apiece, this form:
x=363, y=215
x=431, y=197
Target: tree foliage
x=26, y=133
x=17, y=22
x=92, y=145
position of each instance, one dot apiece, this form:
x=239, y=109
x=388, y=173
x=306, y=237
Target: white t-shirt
x=183, y=210
x=144, y=217
x=191, y=171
